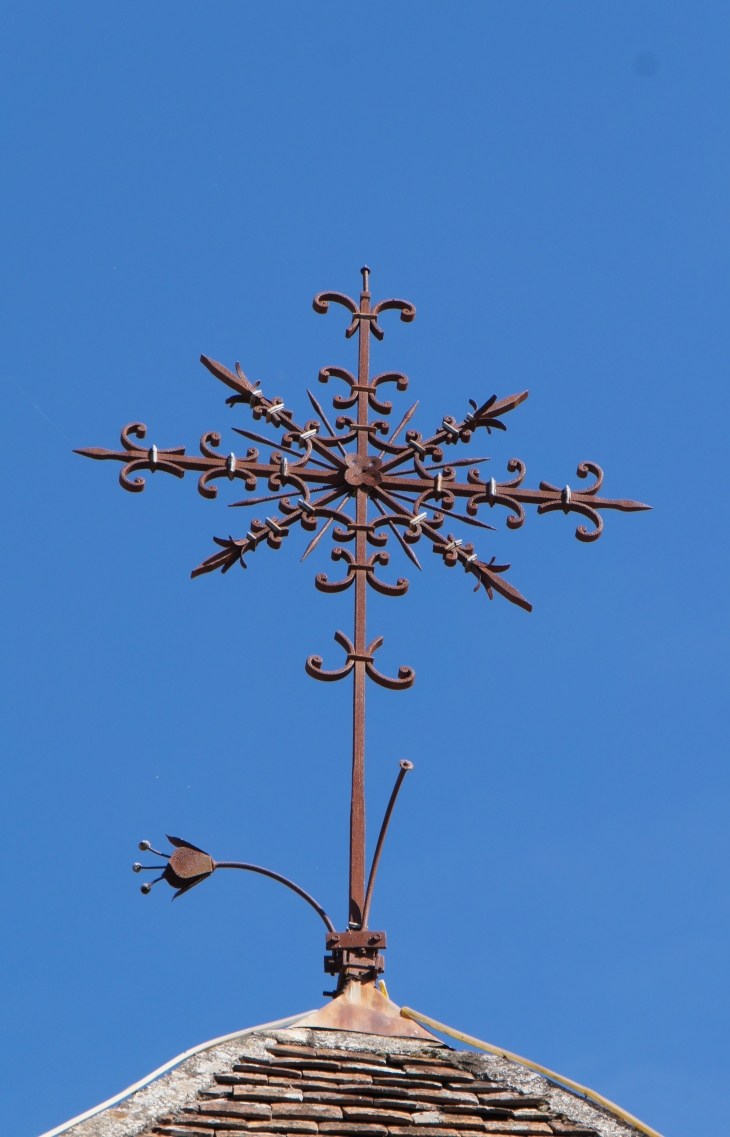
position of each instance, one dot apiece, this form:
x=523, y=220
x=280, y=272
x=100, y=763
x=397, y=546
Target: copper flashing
x=363, y=1008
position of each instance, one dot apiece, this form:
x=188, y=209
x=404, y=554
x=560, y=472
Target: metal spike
x=315, y=540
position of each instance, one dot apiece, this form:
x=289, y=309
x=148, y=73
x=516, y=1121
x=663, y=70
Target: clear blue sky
x=548, y=183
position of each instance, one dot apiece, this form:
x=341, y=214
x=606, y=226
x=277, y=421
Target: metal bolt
x=153, y=455
x=231, y=464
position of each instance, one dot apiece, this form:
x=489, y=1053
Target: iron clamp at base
x=354, y=955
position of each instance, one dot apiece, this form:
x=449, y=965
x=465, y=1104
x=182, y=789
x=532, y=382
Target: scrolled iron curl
x=208, y=439
x=581, y=533
x=586, y=468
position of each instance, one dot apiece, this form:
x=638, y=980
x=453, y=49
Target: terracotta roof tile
x=305, y=1063
x=353, y=1129
x=565, y=1128
x=293, y=1088
x=286, y=1125
x=412, y=1089
x=448, y=1073
x=425, y=1131
x=436, y=1117
x=510, y=1099
x=309, y=1110
x=182, y=1131
x=326, y=1053
x=517, y=1127
x=443, y=1096
x=247, y=1067
x=342, y=1077
x=296, y=1051
x=250, y=1092
x=228, y=1108
x=238, y=1132
x=377, y=1116
x=335, y=1097
x=398, y=1084
x=247, y=1078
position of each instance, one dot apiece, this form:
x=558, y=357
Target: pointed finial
x=365, y=274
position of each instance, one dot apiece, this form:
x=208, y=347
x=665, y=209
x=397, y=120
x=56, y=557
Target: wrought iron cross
x=318, y=476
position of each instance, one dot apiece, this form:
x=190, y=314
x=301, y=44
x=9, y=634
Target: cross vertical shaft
x=357, y=802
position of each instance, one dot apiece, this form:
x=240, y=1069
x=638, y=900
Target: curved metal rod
x=282, y=880
x=405, y=766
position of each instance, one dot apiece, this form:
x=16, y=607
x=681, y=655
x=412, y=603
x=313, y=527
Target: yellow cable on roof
x=410, y=1014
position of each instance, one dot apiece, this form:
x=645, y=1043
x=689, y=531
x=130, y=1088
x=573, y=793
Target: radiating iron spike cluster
x=312, y=475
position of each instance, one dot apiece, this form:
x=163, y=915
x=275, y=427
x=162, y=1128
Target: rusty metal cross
x=319, y=475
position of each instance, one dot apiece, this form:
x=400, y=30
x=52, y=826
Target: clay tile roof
x=345, y=1084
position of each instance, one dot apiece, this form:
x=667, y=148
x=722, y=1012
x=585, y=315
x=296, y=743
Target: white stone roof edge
x=291, y=1020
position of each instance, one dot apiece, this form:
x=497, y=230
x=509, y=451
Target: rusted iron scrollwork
x=323, y=477
x=313, y=666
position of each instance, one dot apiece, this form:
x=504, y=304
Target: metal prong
x=145, y=846
x=405, y=766
x=145, y=889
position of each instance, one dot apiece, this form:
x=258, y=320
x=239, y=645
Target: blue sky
x=548, y=183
